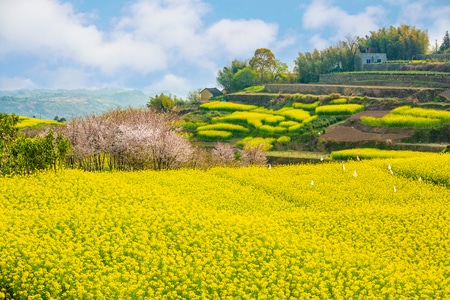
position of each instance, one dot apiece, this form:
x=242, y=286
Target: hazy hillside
x=67, y=104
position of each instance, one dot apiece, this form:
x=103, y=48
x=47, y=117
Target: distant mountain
x=47, y=104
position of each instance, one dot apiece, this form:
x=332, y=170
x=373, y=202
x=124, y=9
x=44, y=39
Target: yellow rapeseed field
x=343, y=231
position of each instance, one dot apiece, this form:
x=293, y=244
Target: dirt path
x=353, y=131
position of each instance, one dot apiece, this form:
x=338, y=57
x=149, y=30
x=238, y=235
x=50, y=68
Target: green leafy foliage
x=24, y=155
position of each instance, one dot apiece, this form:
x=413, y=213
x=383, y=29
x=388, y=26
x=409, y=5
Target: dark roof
x=213, y=91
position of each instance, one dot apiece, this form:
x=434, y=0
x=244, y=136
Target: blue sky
x=176, y=46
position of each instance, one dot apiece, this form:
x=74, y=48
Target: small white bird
x=420, y=178
x=312, y=182
x=355, y=174
x=389, y=167
x=269, y=166
x=321, y=158
x=343, y=167
x=395, y=189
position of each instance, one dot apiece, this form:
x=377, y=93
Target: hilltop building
x=207, y=93
x=371, y=56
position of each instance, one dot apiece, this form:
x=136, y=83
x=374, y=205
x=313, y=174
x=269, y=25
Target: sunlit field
x=369, y=229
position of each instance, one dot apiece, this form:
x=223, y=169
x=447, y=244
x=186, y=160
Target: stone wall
x=385, y=80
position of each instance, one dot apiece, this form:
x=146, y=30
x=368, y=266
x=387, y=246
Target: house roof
x=213, y=91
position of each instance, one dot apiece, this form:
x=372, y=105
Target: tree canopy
x=399, y=43
x=445, y=46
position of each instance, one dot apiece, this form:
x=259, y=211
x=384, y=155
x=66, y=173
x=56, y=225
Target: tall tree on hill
x=225, y=77
x=263, y=61
x=338, y=58
x=352, y=47
x=445, y=46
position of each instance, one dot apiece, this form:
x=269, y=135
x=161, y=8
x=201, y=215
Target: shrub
x=223, y=154
x=130, y=139
x=253, y=155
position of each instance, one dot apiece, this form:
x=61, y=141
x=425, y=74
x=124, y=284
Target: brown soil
x=353, y=131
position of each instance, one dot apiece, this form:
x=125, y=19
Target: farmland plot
x=352, y=230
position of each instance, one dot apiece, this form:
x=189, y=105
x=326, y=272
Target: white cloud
x=318, y=42
x=170, y=84
x=16, y=83
x=152, y=35
x=240, y=37
x=439, y=17
x=323, y=16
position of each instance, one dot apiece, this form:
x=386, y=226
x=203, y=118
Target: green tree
x=399, y=43
x=162, y=103
x=193, y=98
x=8, y=135
x=445, y=46
x=225, y=77
x=263, y=62
x=244, y=78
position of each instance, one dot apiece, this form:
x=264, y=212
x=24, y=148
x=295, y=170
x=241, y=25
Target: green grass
x=254, y=89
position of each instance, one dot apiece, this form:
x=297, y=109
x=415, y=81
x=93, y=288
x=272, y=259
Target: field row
x=288, y=120
x=333, y=230
x=406, y=116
